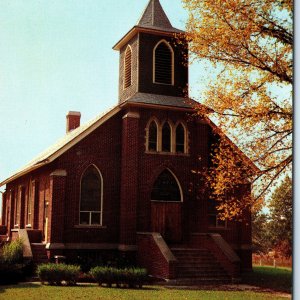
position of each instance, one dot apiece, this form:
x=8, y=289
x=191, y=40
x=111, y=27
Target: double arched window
x=163, y=63
x=166, y=137
x=91, y=191
x=127, y=67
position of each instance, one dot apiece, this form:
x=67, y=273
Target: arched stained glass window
x=163, y=65
x=152, y=139
x=166, y=137
x=90, y=197
x=127, y=67
x=166, y=188
x=180, y=139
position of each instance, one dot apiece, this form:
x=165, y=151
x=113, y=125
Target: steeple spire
x=154, y=16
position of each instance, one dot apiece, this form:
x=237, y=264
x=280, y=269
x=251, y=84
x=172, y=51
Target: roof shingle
x=154, y=17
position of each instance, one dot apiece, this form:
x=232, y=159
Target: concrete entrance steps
x=197, y=266
x=39, y=253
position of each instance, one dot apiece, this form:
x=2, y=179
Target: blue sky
x=57, y=56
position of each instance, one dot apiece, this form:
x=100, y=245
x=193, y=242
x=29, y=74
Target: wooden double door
x=166, y=218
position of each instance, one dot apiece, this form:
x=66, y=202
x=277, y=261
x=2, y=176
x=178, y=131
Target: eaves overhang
x=151, y=30
x=63, y=145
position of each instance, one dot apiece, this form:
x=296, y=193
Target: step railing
x=155, y=255
x=221, y=250
x=27, y=251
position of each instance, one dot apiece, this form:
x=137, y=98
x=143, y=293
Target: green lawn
x=32, y=291
x=278, y=279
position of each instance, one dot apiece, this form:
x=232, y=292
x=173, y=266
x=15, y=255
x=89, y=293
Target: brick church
x=120, y=184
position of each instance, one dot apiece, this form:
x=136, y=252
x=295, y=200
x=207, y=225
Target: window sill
x=167, y=153
x=90, y=227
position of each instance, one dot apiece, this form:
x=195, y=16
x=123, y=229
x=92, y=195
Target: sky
x=56, y=56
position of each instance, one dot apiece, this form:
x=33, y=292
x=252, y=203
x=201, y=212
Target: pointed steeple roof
x=154, y=17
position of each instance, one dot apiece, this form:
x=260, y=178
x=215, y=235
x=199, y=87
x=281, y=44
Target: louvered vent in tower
x=127, y=68
x=163, y=69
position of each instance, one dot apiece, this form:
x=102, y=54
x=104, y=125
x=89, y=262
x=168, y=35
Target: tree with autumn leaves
x=250, y=45
x=274, y=230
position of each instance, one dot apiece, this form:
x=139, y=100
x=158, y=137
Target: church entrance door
x=166, y=207
x=166, y=219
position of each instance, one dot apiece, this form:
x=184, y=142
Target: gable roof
x=63, y=144
x=76, y=135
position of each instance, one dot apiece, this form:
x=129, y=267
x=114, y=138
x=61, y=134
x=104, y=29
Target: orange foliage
x=251, y=44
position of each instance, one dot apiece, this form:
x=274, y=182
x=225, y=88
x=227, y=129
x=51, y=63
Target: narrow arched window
x=180, y=139
x=166, y=137
x=163, y=63
x=166, y=188
x=91, y=197
x=127, y=67
x=152, y=137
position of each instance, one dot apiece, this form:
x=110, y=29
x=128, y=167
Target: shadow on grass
x=276, y=279
x=29, y=285
x=21, y=285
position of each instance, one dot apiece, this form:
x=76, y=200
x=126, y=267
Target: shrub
x=12, y=269
x=58, y=273
x=132, y=277
x=136, y=277
x=12, y=253
x=11, y=273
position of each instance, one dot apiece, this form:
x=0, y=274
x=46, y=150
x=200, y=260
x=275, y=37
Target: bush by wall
x=12, y=268
x=12, y=253
x=129, y=277
x=56, y=274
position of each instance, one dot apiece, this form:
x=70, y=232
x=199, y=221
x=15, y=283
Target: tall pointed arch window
x=166, y=188
x=166, y=137
x=91, y=197
x=127, y=67
x=152, y=136
x=163, y=63
x=180, y=139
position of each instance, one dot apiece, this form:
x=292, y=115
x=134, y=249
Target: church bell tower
x=153, y=62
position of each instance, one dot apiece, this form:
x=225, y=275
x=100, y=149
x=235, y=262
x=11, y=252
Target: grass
x=278, y=279
x=32, y=291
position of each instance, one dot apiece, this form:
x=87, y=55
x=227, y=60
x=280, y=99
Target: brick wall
x=101, y=148
x=129, y=178
x=131, y=90
x=104, y=148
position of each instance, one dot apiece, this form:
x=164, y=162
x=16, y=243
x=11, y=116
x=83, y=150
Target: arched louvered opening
x=166, y=188
x=127, y=67
x=166, y=137
x=91, y=197
x=152, y=137
x=163, y=63
x=180, y=138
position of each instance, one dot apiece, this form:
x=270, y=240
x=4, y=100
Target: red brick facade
x=48, y=198
x=118, y=149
